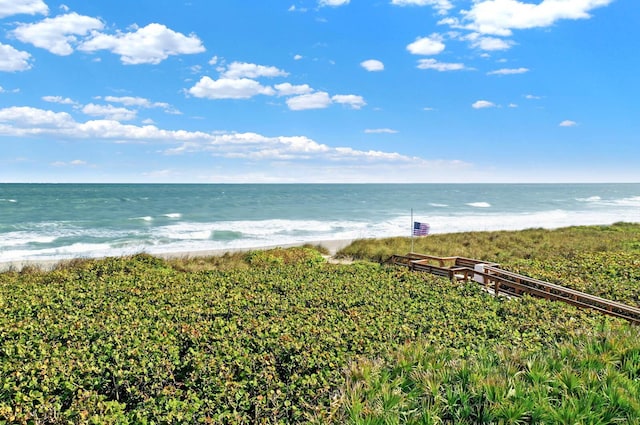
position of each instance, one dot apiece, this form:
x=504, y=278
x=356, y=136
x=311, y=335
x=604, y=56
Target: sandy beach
x=333, y=246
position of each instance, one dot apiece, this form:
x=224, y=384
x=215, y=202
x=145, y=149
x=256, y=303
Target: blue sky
x=220, y=91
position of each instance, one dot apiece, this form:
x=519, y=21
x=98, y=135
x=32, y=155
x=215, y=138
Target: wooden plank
x=515, y=284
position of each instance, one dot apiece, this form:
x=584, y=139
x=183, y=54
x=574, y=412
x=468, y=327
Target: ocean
x=61, y=221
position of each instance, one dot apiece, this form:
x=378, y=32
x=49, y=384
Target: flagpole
x=411, y=229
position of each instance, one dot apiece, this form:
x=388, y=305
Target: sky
x=319, y=91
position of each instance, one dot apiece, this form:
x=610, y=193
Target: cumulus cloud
x=568, y=123
x=227, y=88
x=500, y=17
x=109, y=112
x=351, y=100
x=442, y=6
x=372, y=65
x=26, y=7
x=317, y=100
x=532, y=97
x=59, y=99
x=73, y=163
x=297, y=57
x=380, y=131
x=57, y=35
x=12, y=59
x=431, y=45
x=488, y=43
x=23, y=121
x=439, y=66
x=481, y=104
x=147, y=45
x=32, y=119
x=136, y=101
x=250, y=70
x=288, y=89
x=508, y=71
x=332, y=3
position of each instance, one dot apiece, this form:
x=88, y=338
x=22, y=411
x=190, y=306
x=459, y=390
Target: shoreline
x=332, y=245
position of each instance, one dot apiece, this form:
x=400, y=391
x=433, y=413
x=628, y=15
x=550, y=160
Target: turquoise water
x=56, y=221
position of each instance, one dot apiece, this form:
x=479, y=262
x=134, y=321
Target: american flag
x=420, y=229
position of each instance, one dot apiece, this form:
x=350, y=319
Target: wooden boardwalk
x=500, y=281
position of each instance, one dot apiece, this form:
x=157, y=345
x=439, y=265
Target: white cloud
x=297, y=57
x=32, y=119
x=513, y=105
x=213, y=61
x=333, y=3
x=293, y=8
x=317, y=100
x=499, y=17
x=227, y=88
x=431, y=45
x=481, y=104
x=380, y=131
x=288, y=89
x=489, y=43
x=442, y=6
x=141, y=102
x=74, y=163
x=12, y=59
x=508, y=71
x=568, y=123
x=28, y=7
x=372, y=65
x=439, y=66
x=57, y=35
x=250, y=70
x=428, y=108
x=27, y=121
x=59, y=99
x=109, y=112
x=532, y=97
x=136, y=101
x=148, y=45
x=353, y=101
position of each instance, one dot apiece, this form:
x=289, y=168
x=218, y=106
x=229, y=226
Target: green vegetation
x=281, y=336
x=505, y=247
x=584, y=381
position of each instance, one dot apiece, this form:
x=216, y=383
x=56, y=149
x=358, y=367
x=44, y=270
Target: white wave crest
x=589, y=199
x=479, y=204
x=145, y=218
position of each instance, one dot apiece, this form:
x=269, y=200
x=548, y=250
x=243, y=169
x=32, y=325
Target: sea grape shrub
x=613, y=275
x=280, y=256
x=133, y=340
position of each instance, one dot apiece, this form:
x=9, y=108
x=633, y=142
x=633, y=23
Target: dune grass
x=506, y=246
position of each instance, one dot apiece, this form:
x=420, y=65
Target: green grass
x=281, y=336
x=506, y=246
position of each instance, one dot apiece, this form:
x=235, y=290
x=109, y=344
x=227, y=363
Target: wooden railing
x=501, y=281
